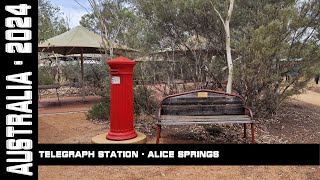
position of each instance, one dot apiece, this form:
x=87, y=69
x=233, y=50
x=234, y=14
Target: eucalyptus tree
x=226, y=25
x=50, y=20
x=271, y=40
x=118, y=22
x=274, y=40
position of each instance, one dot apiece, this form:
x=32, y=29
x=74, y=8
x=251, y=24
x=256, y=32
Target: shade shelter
x=79, y=40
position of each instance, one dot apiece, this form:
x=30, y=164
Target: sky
x=72, y=10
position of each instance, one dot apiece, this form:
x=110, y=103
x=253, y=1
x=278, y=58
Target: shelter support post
x=82, y=78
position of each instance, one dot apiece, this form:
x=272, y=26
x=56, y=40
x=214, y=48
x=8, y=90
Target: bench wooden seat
x=204, y=107
x=180, y=120
x=52, y=86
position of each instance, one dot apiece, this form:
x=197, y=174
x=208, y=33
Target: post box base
x=101, y=139
x=120, y=136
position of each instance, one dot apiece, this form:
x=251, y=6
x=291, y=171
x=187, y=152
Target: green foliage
x=276, y=44
x=177, y=21
x=144, y=102
x=44, y=78
x=123, y=23
x=271, y=49
x=94, y=74
x=269, y=38
x=50, y=20
x=100, y=111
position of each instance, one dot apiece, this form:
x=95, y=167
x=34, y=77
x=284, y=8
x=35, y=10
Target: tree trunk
x=226, y=25
x=228, y=48
x=229, y=58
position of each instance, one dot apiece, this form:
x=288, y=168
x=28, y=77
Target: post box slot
x=114, y=72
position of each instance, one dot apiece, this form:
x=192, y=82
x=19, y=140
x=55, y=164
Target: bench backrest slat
x=202, y=101
x=202, y=110
x=208, y=104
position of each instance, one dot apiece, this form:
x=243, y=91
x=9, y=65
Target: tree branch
x=218, y=13
x=82, y=6
x=230, y=10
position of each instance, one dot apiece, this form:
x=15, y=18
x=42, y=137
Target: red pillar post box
x=121, y=99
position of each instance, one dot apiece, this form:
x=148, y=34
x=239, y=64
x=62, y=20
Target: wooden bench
x=53, y=86
x=204, y=107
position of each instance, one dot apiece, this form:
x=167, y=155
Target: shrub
x=44, y=78
x=100, y=111
x=144, y=102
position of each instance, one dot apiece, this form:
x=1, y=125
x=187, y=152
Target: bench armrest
x=53, y=86
x=159, y=113
x=249, y=111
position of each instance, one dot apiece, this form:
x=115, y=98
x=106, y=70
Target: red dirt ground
x=61, y=124
x=66, y=104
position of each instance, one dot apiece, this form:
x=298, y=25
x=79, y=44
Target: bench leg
x=158, y=133
x=252, y=133
x=245, y=130
x=57, y=95
x=39, y=95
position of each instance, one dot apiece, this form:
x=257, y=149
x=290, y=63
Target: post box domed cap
x=120, y=60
